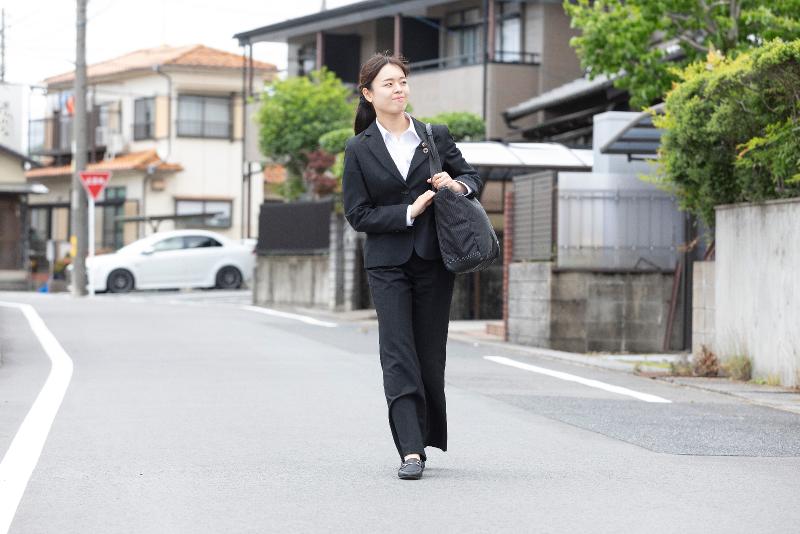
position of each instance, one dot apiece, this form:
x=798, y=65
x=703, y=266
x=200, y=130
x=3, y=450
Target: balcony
x=53, y=136
x=501, y=56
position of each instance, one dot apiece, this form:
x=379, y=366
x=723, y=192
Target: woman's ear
x=366, y=95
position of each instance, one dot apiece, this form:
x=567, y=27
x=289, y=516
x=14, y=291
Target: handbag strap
x=433, y=154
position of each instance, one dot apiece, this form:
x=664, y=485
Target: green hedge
x=732, y=130
x=463, y=126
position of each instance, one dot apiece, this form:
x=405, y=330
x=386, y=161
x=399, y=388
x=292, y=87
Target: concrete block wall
x=703, y=306
x=529, y=288
x=292, y=280
x=583, y=311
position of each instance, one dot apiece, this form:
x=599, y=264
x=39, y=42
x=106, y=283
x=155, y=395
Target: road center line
x=286, y=315
x=22, y=456
x=580, y=380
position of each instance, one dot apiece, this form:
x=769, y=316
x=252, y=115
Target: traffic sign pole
x=94, y=183
x=91, y=245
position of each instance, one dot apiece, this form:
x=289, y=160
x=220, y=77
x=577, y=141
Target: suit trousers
x=413, y=306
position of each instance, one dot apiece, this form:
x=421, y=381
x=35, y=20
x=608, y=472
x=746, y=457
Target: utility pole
x=78, y=208
x=2, y=45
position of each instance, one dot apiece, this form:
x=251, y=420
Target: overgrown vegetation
x=732, y=130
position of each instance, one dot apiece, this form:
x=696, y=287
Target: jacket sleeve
x=455, y=164
x=359, y=208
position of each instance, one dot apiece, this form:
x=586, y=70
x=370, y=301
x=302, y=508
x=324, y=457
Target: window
x=221, y=208
x=112, y=235
x=144, y=118
x=200, y=241
x=508, y=36
x=465, y=36
x=204, y=116
x=171, y=243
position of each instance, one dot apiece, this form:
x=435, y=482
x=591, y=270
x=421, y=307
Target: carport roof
x=529, y=156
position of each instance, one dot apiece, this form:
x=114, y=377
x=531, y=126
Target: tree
x=732, y=130
x=294, y=113
x=642, y=41
x=463, y=125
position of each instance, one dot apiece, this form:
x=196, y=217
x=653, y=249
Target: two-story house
x=168, y=122
x=481, y=56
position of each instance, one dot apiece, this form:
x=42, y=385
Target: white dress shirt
x=402, y=149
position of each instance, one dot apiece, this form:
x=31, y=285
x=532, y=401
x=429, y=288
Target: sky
x=40, y=34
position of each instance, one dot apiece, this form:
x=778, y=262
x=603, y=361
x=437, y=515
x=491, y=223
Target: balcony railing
x=500, y=56
x=54, y=135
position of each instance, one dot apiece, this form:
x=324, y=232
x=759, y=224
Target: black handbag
x=466, y=238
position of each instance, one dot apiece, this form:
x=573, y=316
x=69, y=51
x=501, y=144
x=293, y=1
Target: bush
x=706, y=364
x=334, y=141
x=463, y=126
x=738, y=368
x=732, y=130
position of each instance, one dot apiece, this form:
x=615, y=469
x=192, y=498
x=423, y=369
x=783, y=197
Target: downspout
x=151, y=169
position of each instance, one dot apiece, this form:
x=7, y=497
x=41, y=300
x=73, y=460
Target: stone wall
x=582, y=311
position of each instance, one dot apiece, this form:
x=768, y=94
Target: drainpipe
x=151, y=169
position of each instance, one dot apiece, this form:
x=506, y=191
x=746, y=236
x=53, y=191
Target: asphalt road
x=187, y=412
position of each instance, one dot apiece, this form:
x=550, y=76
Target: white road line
x=23, y=454
x=285, y=315
x=580, y=380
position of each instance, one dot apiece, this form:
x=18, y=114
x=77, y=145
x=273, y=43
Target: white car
x=174, y=259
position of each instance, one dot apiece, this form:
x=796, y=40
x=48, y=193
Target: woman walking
x=387, y=194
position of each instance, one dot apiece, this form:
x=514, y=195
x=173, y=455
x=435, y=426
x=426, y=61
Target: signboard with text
x=94, y=182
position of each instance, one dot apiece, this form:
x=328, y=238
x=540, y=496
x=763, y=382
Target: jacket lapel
x=378, y=148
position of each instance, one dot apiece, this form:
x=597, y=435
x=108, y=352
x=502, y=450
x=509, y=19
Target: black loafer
x=411, y=469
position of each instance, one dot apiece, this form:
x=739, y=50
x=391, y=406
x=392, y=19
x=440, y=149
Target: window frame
x=150, y=130
x=179, y=224
x=204, y=98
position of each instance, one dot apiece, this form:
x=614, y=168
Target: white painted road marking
x=580, y=380
x=286, y=315
x=23, y=454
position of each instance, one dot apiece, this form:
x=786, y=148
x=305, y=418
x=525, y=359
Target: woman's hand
x=442, y=179
x=422, y=202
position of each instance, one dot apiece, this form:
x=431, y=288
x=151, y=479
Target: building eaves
x=332, y=18
x=573, y=90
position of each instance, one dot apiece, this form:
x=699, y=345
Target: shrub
x=463, y=126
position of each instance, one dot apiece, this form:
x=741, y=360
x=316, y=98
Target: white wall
x=757, y=290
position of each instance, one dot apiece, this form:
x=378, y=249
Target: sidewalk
x=651, y=365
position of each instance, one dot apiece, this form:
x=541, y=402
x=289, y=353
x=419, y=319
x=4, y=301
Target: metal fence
x=595, y=221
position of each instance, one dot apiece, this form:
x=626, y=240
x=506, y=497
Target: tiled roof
x=144, y=60
x=275, y=174
x=135, y=161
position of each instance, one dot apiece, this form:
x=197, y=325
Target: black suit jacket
x=376, y=197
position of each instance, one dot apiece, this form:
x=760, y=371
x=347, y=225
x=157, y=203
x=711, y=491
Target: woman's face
x=390, y=91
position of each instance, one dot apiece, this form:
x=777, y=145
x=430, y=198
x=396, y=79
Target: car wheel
x=120, y=281
x=229, y=278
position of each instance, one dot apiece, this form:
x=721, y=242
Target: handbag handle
x=434, y=162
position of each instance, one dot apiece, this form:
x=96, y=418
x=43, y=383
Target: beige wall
x=11, y=169
x=458, y=89
x=507, y=85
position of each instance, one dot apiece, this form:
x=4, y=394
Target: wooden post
x=398, y=34
x=492, y=22
x=320, y=50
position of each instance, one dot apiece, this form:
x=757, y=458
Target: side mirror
x=147, y=251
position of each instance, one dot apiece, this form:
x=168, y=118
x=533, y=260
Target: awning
x=639, y=137
x=526, y=156
x=23, y=188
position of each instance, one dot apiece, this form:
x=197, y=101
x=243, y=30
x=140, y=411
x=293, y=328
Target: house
x=468, y=55
x=168, y=123
x=14, y=234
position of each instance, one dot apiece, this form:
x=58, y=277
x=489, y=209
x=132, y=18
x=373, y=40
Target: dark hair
x=365, y=113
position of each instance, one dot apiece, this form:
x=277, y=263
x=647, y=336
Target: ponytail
x=365, y=114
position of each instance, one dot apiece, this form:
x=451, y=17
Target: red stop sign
x=95, y=181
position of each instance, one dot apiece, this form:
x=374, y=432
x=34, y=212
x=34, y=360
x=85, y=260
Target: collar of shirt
x=388, y=137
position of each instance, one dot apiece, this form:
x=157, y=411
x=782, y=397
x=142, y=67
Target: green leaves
x=732, y=130
x=295, y=113
x=641, y=40
x=463, y=126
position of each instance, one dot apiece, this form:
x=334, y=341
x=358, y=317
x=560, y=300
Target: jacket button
x=404, y=193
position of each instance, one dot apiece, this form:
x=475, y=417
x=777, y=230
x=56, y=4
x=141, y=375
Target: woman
x=387, y=194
